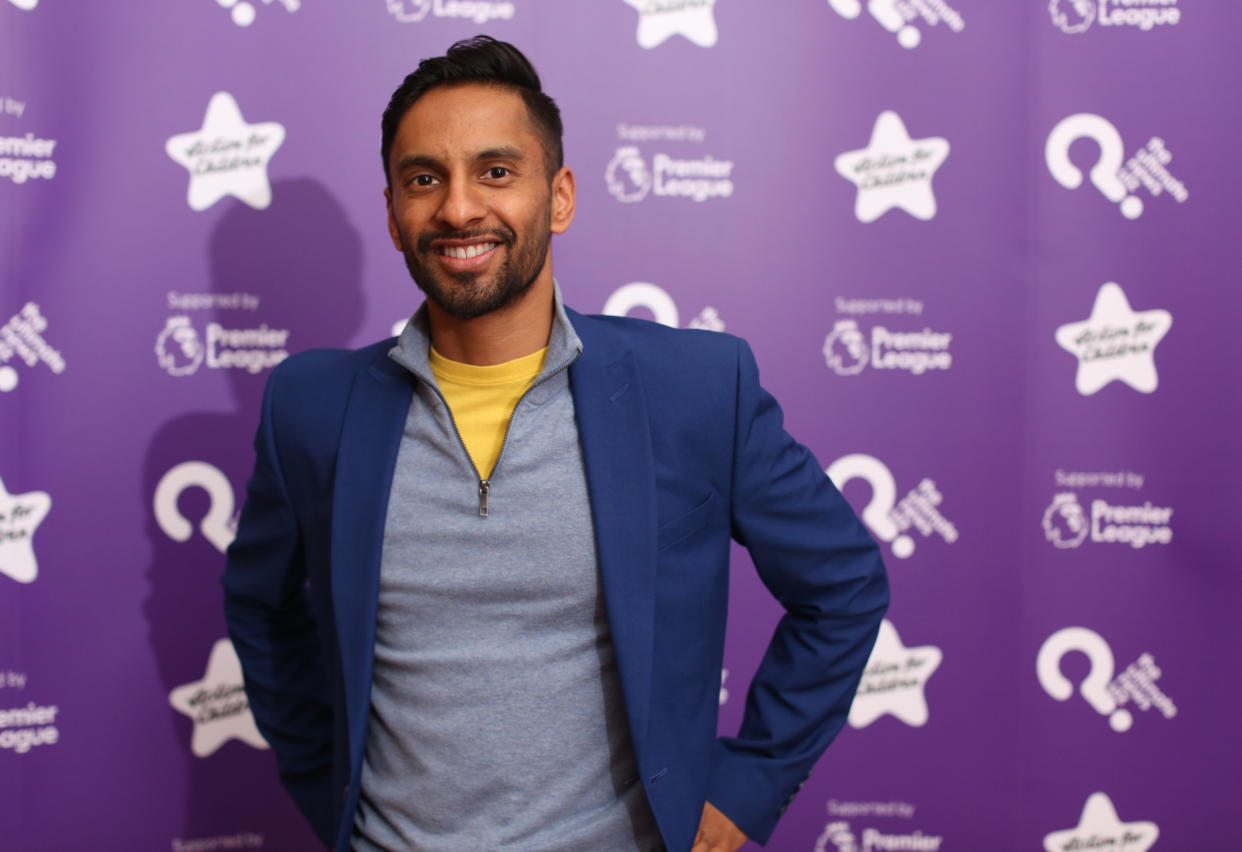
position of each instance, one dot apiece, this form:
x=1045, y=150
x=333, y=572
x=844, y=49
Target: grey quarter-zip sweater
x=497, y=720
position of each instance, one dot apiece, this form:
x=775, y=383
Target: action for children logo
x=477, y=11
x=244, y=13
x=839, y=835
x=1112, y=519
x=659, y=20
x=631, y=177
x=893, y=171
x=1099, y=827
x=218, y=704
x=180, y=349
x=848, y=348
x=900, y=16
x=24, y=157
x=1077, y=16
x=1116, y=178
x=1115, y=343
x=20, y=517
x=643, y=294
x=227, y=156
x=888, y=518
x=1108, y=696
x=894, y=681
x=22, y=341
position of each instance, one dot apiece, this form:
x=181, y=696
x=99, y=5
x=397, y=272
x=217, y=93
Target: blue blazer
x=683, y=451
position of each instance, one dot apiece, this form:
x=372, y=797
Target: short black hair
x=481, y=59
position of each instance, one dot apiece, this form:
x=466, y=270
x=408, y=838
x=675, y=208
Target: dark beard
x=469, y=298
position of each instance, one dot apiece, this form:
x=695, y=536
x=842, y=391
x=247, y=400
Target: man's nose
x=463, y=204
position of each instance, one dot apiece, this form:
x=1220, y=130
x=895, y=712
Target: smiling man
x=479, y=583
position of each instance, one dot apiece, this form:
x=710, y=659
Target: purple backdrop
x=981, y=251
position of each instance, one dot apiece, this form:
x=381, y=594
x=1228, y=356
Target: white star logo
x=25, y=5
x=218, y=704
x=227, y=156
x=893, y=170
x=20, y=516
x=894, y=681
x=658, y=20
x=1099, y=828
x=1116, y=343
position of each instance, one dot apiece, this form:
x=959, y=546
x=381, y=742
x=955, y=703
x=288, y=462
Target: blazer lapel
x=370, y=437
x=614, y=429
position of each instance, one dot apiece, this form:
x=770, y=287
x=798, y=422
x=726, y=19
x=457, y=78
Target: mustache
x=498, y=235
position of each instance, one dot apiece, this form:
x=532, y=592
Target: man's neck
x=519, y=328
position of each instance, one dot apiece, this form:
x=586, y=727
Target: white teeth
x=467, y=252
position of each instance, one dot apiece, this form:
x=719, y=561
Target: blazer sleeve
x=274, y=632
x=823, y=567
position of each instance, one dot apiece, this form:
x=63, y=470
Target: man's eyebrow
x=423, y=161
x=418, y=161
x=503, y=152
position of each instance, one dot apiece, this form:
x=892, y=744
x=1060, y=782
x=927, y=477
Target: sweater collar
x=414, y=343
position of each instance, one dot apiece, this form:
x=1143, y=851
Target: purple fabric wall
x=983, y=253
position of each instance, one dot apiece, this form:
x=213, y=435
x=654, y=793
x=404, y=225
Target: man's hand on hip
x=717, y=833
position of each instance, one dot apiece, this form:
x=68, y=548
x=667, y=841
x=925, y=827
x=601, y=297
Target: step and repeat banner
x=984, y=253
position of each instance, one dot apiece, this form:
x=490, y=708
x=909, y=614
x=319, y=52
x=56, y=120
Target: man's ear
x=564, y=200
x=393, y=231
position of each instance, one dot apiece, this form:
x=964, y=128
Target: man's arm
x=273, y=630
x=819, y=562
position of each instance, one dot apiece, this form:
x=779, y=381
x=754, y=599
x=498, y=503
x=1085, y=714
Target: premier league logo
x=845, y=350
x=178, y=347
x=627, y=175
x=1072, y=16
x=1065, y=523
x=409, y=11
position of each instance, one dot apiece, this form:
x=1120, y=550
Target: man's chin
x=467, y=301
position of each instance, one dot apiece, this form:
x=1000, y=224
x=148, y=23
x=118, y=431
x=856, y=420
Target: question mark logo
x=1104, y=173
x=883, y=497
x=641, y=294
x=1095, y=687
x=216, y=525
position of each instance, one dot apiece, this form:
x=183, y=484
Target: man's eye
x=424, y=180
x=497, y=172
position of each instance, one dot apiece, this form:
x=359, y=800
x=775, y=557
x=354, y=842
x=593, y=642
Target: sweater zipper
x=485, y=485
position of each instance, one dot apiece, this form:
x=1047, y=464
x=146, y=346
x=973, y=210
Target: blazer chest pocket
x=683, y=526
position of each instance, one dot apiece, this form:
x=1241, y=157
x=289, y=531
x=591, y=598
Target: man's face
x=471, y=204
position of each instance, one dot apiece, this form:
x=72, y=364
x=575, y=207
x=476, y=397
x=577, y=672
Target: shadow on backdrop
x=301, y=259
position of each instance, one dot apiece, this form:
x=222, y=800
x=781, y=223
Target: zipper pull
x=484, y=487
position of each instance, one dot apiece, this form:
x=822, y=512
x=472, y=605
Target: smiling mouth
x=465, y=252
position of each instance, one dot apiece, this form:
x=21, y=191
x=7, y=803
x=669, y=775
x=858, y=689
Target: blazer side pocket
x=683, y=526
